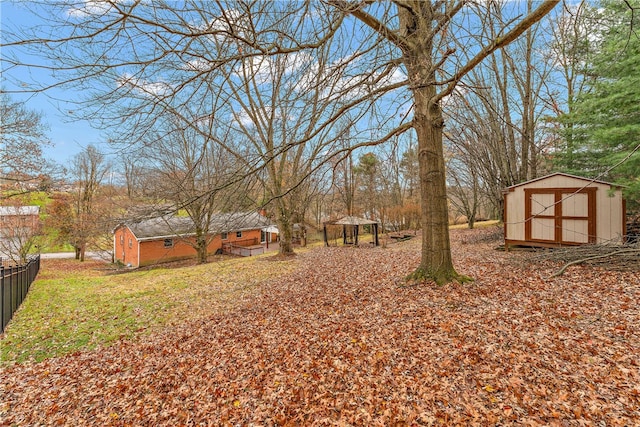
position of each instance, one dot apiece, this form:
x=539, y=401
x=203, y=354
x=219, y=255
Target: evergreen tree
x=605, y=120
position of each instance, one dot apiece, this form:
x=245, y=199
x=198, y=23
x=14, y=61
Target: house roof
x=171, y=226
x=161, y=227
x=582, y=178
x=19, y=210
x=352, y=220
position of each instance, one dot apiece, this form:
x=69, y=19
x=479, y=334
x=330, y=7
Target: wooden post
x=375, y=234
x=326, y=238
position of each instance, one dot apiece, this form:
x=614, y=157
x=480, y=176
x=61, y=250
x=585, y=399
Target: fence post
x=23, y=281
x=13, y=273
x=3, y=311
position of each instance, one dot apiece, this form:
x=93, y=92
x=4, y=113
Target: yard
x=330, y=337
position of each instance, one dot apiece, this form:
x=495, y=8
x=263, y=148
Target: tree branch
x=498, y=43
x=371, y=21
x=580, y=261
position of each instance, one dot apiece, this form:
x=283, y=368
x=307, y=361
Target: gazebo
x=352, y=223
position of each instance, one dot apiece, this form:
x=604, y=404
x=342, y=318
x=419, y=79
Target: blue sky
x=68, y=136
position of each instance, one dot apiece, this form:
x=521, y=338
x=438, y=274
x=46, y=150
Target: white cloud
x=243, y=118
x=91, y=7
x=222, y=23
x=263, y=114
x=258, y=68
x=144, y=86
x=199, y=64
x=397, y=76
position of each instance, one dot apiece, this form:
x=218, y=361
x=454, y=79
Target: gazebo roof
x=352, y=220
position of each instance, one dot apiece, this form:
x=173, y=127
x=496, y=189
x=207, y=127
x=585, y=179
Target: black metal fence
x=14, y=284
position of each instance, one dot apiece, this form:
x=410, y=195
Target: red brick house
x=166, y=239
x=16, y=220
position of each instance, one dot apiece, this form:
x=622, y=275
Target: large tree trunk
x=201, y=248
x=436, y=263
x=286, y=236
x=285, y=228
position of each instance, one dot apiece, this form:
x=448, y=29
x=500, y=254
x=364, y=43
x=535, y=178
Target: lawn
x=80, y=306
x=335, y=337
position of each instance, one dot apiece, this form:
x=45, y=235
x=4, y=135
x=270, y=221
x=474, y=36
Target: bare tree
x=22, y=137
x=409, y=171
x=286, y=113
x=369, y=185
x=424, y=37
x=147, y=56
x=344, y=178
x=131, y=165
x=194, y=174
x=498, y=133
x=89, y=169
x=19, y=231
x=60, y=217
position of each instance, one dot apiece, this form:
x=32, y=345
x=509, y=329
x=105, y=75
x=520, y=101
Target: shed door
x=560, y=215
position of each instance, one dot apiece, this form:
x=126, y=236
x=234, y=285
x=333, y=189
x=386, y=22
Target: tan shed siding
x=610, y=216
x=558, y=182
x=575, y=204
x=586, y=212
x=542, y=229
x=579, y=217
x=515, y=215
x=542, y=204
x=575, y=231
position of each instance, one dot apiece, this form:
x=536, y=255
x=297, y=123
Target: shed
x=352, y=224
x=563, y=210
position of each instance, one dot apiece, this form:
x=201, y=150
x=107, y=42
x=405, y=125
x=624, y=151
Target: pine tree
x=605, y=120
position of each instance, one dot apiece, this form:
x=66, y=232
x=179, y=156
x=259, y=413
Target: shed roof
x=169, y=226
x=352, y=220
x=582, y=178
x=19, y=210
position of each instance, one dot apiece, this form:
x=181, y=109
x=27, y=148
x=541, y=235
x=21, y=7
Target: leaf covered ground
x=79, y=306
x=339, y=341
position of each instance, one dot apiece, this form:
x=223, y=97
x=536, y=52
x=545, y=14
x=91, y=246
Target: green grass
x=50, y=249
x=45, y=241
x=33, y=198
x=75, y=306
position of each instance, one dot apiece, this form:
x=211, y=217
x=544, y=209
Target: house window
x=130, y=243
x=224, y=236
x=122, y=239
x=238, y=234
x=168, y=243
